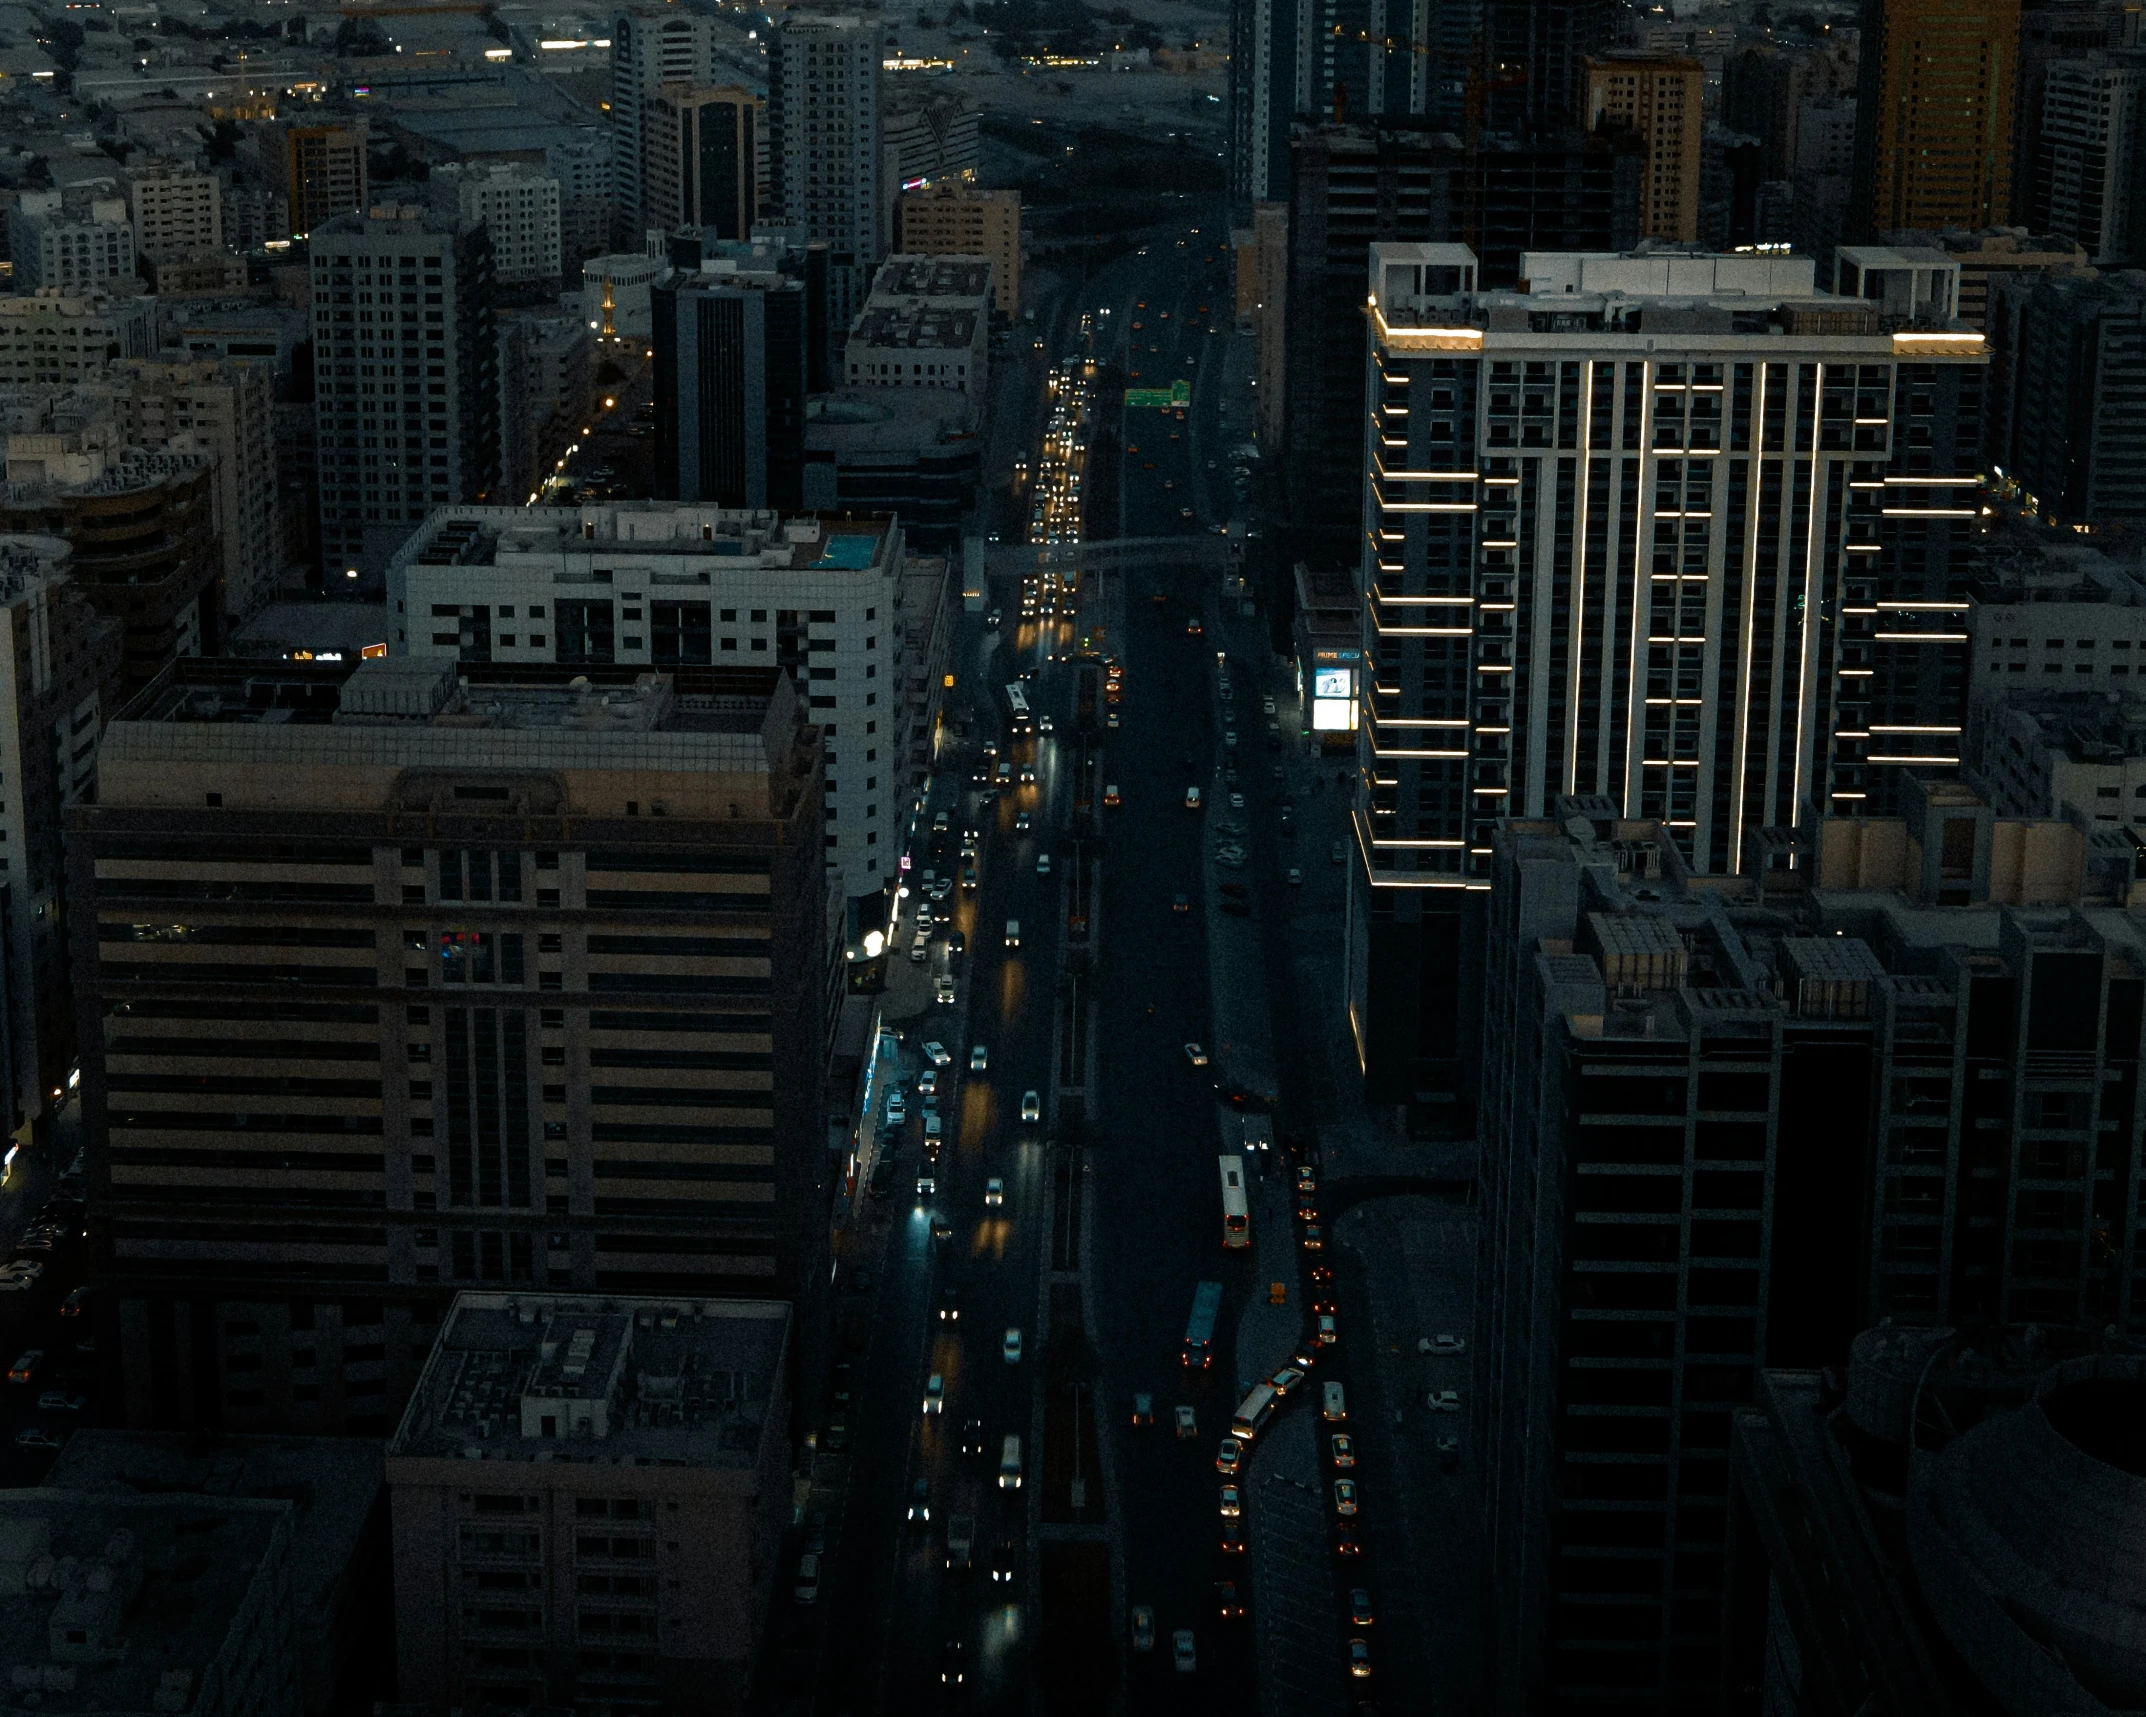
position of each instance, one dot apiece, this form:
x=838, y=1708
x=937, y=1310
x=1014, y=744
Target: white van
x=1254, y=1411
x=1009, y=1464
x=1013, y=933
x=1333, y=1405
x=920, y=949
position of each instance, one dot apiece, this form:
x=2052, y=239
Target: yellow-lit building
x=1935, y=142
x=1661, y=98
x=959, y=219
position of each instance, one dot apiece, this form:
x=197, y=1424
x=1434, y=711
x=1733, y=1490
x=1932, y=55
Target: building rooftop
x=920, y=325
x=886, y=420
x=602, y=541
x=584, y=1378
x=914, y=276
x=121, y=1603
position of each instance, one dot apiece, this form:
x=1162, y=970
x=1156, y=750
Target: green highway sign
x=1177, y=394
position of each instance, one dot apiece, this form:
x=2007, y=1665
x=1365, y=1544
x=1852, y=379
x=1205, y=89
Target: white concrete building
x=53, y=337
x=927, y=324
x=824, y=144
x=177, y=213
x=60, y=243
x=614, y=295
x=678, y=587
x=519, y=205
x=650, y=46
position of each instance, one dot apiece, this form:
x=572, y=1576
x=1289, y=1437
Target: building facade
x=324, y=174
x=518, y=205
x=824, y=144
x=706, y=156
x=563, y=1029
x=70, y=245
x=667, y=586
x=963, y=220
x=1934, y=138
x=406, y=400
x=1661, y=102
x=177, y=213
x=624, y=1543
x=2086, y=155
x=2070, y=360
x=651, y=46
x=1599, y=520
x=731, y=374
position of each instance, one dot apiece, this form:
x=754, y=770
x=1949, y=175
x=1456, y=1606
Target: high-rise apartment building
x=655, y=586
x=59, y=674
x=537, y=990
x=2086, y=163
x=730, y=386
x=581, y=162
x=651, y=46
x=228, y=404
x=2071, y=360
x=547, y=381
x=706, y=150
x=177, y=212
x=2067, y=30
x=406, y=390
x=518, y=204
x=70, y=244
x=1659, y=100
x=927, y=139
x=324, y=174
x=1601, y=519
x=1726, y=1129
x=965, y=220
x=1934, y=138
x=824, y=145
x=642, y=1450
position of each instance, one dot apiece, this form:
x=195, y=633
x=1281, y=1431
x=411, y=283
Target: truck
x=960, y=1542
x=1198, y=1352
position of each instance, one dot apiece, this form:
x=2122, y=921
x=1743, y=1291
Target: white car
x=1012, y=1347
x=937, y=1054
x=994, y=1192
x=1031, y=1106
x=979, y=1059
x=1444, y=1401
x=1043, y=864
x=1443, y=1344
x=943, y=990
x=1196, y=1054
x=935, y=1394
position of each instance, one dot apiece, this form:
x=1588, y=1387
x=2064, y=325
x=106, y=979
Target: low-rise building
x=338, y=1529
x=614, y=296
x=149, y=1604
x=61, y=241
x=925, y=325
x=914, y=453
x=51, y=337
x=662, y=586
x=589, y=1495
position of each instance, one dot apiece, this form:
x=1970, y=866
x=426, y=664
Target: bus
x=1017, y=706
x=1236, y=1217
x=1253, y=1412
x=1200, y=1327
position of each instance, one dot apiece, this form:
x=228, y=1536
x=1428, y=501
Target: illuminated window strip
x=1949, y=762
x=1875, y=728
x=1919, y=637
x=1928, y=607
x=1928, y=512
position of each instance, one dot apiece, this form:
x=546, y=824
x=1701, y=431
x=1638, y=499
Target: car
x=15, y=1284
x=1343, y=1450
x=956, y=945
x=1444, y=1401
x=1346, y=1543
x=35, y=1437
x=1043, y=725
x=1043, y=864
x=1110, y=718
x=1443, y=1344
x=950, y=1304
x=1286, y=1379
x=26, y=1365
x=943, y=991
x=59, y=1401
x=1449, y=1445
x=1028, y=774
x=1192, y=798
x=994, y=1192
x=1359, y=1659
x=928, y=1082
x=837, y=1433
x=1337, y=853
x=1325, y=1333
x=1229, y=1456
x=1192, y=628
x=972, y=1436
x=1266, y=706
x=1360, y=1608
x=1296, y=877
x=953, y=1662
x=937, y=1054
x=934, y=1394
x=992, y=619
x=1314, y=1237
x=76, y=1302
x=1227, y=1601
x=1182, y=1653
x=36, y=1240
x=1196, y=1054
x=1178, y=903
x=1233, y=1538
x=979, y=1059
x=1011, y=1347
x=1031, y=1106
x=927, y=1182
x=934, y=1128
x=968, y=878
x=29, y=1268
x=941, y=1231
x=1184, y=512
x=1143, y=1409
x=1232, y=1502
x=1143, y=1628
x=920, y=1502
x=1236, y=801
x=1188, y=1424
x=1002, y=1565
x=1112, y=797
x=1345, y=1498
x=1021, y=822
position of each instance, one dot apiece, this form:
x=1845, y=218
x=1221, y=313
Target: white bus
x=1236, y=1215
x=1254, y=1411
x=1017, y=707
